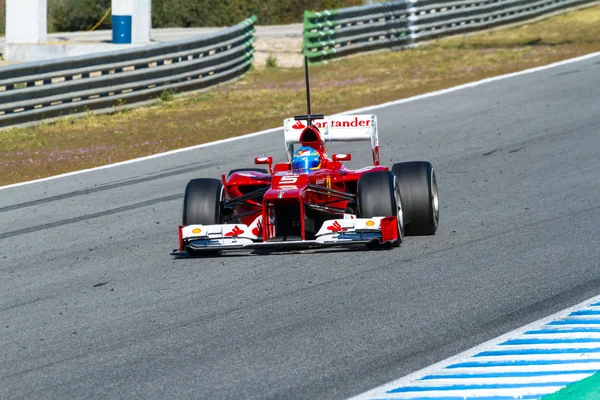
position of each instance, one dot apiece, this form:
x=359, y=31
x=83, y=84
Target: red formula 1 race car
x=312, y=200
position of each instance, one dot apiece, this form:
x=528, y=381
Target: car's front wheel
x=378, y=195
x=203, y=202
x=203, y=205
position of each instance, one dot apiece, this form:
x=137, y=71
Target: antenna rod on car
x=307, y=89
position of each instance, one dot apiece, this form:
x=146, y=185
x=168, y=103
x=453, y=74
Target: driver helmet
x=306, y=159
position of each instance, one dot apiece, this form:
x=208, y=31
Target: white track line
x=582, y=366
x=380, y=392
x=490, y=393
x=358, y=110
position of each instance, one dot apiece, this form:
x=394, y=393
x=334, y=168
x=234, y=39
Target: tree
x=77, y=15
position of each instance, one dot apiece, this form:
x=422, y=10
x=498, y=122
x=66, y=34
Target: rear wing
x=351, y=128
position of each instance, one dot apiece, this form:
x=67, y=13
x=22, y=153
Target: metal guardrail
x=395, y=24
x=36, y=91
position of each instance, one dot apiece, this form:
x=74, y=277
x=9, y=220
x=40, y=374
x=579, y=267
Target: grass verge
x=265, y=97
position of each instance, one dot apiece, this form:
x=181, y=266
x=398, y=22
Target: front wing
x=335, y=232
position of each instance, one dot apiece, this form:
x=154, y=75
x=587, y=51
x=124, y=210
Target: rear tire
x=418, y=188
x=261, y=170
x=378, y=195
x=203, y=202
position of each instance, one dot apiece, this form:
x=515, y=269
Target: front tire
x=203, y=205
x=418, y=188
x=203, y=202
x=378, y=195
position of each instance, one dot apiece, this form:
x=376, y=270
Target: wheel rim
x=221, y=206
x=435, y=202
x=399, y=212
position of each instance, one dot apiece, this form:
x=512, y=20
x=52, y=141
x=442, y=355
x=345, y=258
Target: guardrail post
x=305, y=29
x=131, y=21
x=142, y=21
x=26, y=21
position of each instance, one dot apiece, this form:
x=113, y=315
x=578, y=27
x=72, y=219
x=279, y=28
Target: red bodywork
x=293, y=205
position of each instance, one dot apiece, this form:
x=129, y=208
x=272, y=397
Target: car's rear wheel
x=378, y=195
x=261, y=170
x=418, y=188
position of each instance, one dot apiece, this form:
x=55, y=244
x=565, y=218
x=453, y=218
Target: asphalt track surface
x=93, y=306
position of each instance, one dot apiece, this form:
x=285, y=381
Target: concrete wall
x=26, y=31
x=26, y=21
x=31, y=52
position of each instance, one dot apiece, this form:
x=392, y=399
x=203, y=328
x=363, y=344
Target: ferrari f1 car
x=312, y=200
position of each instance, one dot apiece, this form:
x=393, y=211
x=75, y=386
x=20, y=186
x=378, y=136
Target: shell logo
x=370, y=223
x=196, y=231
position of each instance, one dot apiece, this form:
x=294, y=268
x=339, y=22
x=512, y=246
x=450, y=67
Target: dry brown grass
x=265, y=97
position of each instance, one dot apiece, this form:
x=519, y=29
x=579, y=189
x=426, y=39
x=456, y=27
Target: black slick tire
x=418, y=188
x=202, y=202
x=378, y=195
x=202, y=205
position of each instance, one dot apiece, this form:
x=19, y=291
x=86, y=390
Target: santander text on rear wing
x=350, y=128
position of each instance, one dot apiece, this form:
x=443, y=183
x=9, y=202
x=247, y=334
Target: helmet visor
x=305, y=164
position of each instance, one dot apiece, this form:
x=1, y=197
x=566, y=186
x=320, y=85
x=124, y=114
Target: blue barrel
x=121, y=25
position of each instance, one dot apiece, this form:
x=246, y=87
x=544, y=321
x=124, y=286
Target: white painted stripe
x=536, y=357
x=525, y=347
x=578, y=317
x=432, y=383
x=558, y=333
x=521, y=368
x=573, y=324
x=472, y=393
x=168, y=153
x=570, y=327
x=468, y=356
x=567, y=327
x=356, y=111
x=565, y=335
